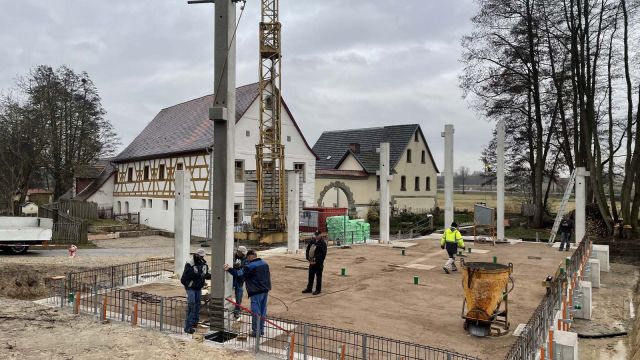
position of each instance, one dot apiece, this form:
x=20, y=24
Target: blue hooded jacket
x=256, y=276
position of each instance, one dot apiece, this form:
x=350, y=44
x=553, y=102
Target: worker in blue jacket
x=257, y=279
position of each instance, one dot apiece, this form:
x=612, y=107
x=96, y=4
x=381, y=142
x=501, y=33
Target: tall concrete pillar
x=182, y=220
x=581, y=203
x=223, y=115
x=293, y=212
x=448, y=174
x=385, y=199
x=500, y=180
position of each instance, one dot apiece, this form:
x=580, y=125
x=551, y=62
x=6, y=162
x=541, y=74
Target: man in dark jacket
x=239, y=258
x=196, y=271
x=315, y=254
x=565, y=229
x=257, y=278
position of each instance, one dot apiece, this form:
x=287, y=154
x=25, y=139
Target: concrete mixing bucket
x=485, y=285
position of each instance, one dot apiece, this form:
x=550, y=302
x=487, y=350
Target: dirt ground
x=611, y=314
x=53, y=334
x=139, y=242
x=380, y=299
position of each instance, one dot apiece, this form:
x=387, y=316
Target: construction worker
x=239, y=258
x=451, y=240
x=565, y=229
x=315, y=253
x=257, y=277
x=196, y=271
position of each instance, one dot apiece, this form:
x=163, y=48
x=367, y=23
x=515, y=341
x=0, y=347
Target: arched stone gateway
x=342, y=186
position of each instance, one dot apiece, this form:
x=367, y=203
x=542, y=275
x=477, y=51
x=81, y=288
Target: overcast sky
x=347, y=64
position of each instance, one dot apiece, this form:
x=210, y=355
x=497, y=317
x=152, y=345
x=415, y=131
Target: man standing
x=316, y=253
x=196, y=271
x=565, y=229
x=451, y=240
x=257, y=277
x=239, y=259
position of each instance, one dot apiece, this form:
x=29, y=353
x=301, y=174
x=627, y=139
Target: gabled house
x=180, y=137
x=348, y=162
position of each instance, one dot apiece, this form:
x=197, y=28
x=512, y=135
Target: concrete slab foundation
x=565, y=345
x=601, y=252
x=585, y=302
x=594, y=264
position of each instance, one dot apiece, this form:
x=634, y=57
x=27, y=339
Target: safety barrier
x=103, y=293
x=563, y=294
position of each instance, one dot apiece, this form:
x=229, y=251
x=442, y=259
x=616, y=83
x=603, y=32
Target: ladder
x=563, y=204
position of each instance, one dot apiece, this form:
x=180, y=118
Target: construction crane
x=270, y=166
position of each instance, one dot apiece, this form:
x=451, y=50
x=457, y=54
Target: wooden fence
x=79, y=209
x=67, y=229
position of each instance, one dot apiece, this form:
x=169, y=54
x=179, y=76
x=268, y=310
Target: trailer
x=18, y=234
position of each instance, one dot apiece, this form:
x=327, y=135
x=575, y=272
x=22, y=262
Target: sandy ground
x=380, y=299
x=611, y=313
x=31, y=331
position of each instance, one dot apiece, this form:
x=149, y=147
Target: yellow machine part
x=484, y=287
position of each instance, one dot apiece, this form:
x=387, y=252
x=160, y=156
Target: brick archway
x=347, y=191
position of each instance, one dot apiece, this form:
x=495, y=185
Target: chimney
x=355, y=148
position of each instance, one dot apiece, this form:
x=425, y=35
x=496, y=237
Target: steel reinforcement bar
x=534, y=340
x=100, y=292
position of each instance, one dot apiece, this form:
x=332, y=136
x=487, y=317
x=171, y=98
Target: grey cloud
x=346, y=64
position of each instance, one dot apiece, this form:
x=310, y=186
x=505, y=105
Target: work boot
x=190, y=331
x=306, y=291
x=445, y=269
x=317, y=292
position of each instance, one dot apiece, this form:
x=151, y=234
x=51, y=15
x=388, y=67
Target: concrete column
x=586, y=308
x=182, y=220
x=565, y=345
x=293, y=212
x=385, y=179
x=223, y=115
x=581, y=203
x=500, y=181
x=594, y=275
x=601, y=252
x=448, y=174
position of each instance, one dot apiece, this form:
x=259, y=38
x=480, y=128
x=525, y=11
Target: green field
x=512, y=202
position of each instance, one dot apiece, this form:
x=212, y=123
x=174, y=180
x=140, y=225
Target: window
x=130, y=174
x=288, y=138
x=237, y=213
x=119, y=208
x=126, y=207
x=403, y=183
x=161, y=171
x=239, y=170
x=416, y=183
x=146, y=172
x=179, y=166
x=165, y=204
x=416, y=137
x=378, y=182
x=408, y=155
x=424, y=157
x=116, y=178
x=247, y=133
x=144, y=203
x=428, y=185
x=150, y=202
x=300, y=168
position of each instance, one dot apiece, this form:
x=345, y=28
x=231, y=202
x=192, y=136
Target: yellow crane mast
x=270, y=166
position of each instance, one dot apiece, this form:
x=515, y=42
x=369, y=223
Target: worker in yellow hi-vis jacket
x=451, y=240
